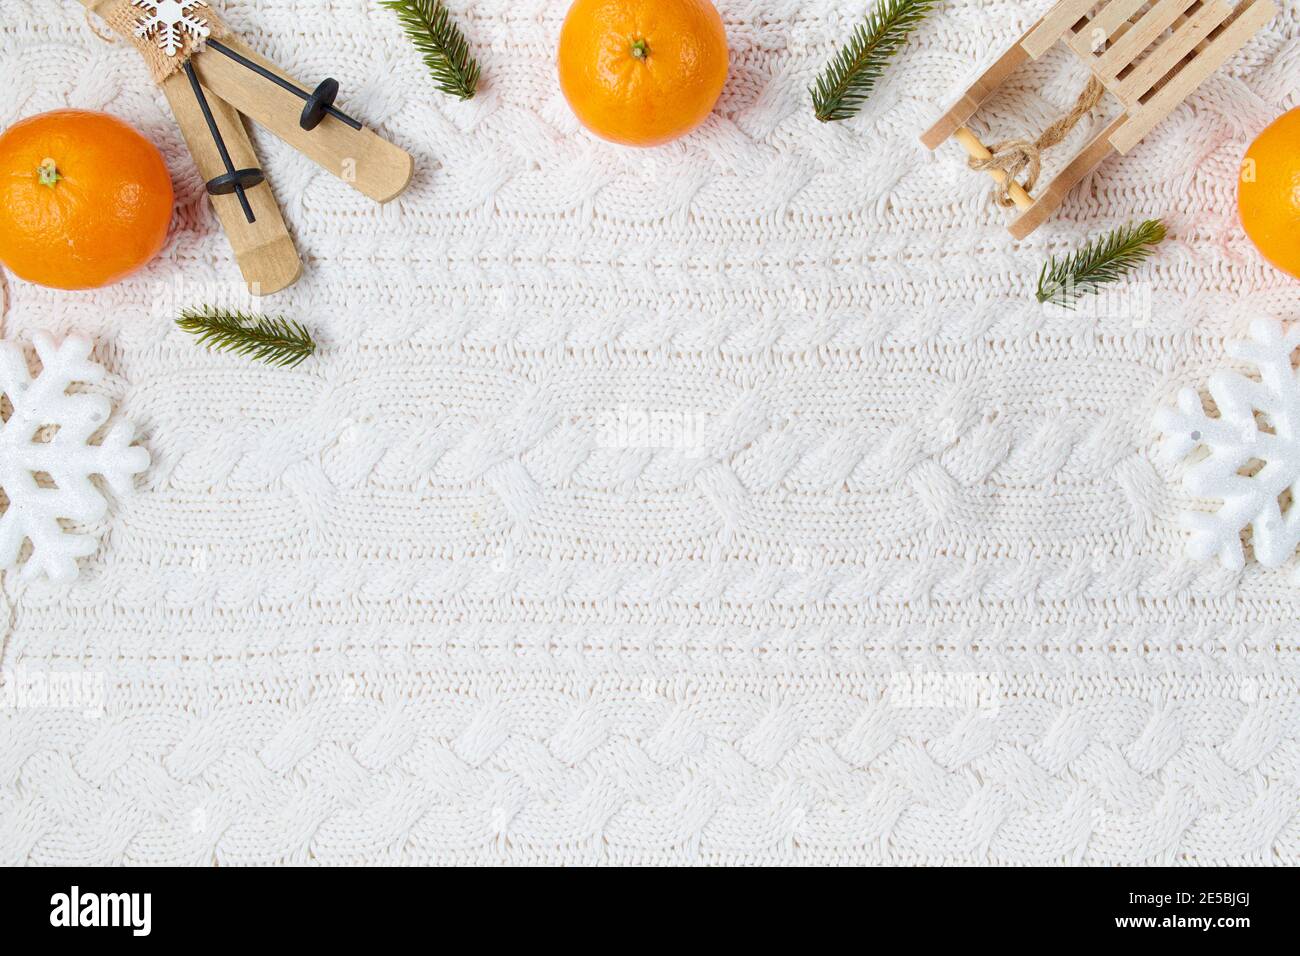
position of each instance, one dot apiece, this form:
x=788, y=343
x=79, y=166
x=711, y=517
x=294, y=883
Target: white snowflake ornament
x=170, y=21
x=1253, y=462
x=68, y=458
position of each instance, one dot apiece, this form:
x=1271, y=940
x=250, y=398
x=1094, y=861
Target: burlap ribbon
x=123, y=17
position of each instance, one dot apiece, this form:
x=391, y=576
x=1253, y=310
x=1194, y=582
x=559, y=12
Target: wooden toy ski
x=211, y=80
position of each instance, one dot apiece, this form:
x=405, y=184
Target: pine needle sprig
x=849, y=78
x=276, y=341
x=1104, y=259
x=440, y=42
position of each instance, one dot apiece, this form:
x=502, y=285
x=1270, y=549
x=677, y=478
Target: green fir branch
x=849, y=78
x=440, y=42
x=276, y=341
x=1106, y=259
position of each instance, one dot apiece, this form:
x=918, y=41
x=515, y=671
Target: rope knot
x=1021, y=156
x=1013, y=157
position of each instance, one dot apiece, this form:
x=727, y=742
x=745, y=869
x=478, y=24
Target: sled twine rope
x=1017, y=156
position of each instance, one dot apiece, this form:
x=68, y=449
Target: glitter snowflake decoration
x=1253, y=464
x=170, y=21
x=48, y=480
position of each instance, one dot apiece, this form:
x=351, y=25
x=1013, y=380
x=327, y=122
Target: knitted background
x=730, y=502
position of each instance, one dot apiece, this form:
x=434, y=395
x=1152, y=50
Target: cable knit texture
x=730, y=502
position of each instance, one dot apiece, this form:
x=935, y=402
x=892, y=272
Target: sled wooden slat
x=1248, y=21
x=1053, y=26
x=1092, y=39
x=1145, y=32
x=1169, y=52
x=1113, y=16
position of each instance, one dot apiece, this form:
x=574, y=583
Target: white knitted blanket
x=732, y=502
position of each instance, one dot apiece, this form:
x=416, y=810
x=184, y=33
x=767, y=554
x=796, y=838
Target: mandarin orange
x=85, y=200
x=642, y=72
x=1268, y=195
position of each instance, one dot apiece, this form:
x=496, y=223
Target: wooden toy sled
x=1149, y=54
